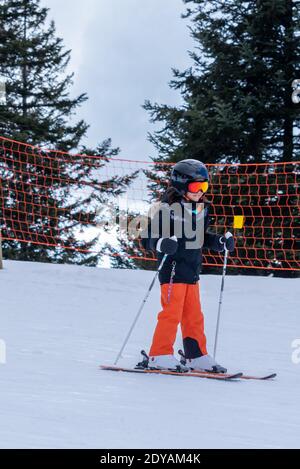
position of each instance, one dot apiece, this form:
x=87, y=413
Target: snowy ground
x=60, y=322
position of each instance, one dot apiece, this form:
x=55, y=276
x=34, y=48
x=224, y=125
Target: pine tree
x=33, y=61
x=237, y=108
x=46, y=197
x=237, y=95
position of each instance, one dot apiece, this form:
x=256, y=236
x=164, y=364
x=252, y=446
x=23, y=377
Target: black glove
x=228, y=241
x=167, y=245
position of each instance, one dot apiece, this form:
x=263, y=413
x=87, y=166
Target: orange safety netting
x=265, y=194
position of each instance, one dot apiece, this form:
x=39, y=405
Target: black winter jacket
x=188, y=260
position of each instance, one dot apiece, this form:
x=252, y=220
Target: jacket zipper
x=171, y=281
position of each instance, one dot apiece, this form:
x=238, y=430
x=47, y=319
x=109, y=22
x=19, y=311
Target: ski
x=261, y=378
x=258, y=378
x=216, y=376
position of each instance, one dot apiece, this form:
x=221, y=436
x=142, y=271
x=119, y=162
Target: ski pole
x=220, y=301
x=140, y=309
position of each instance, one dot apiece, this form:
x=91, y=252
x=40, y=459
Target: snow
x=60, y=322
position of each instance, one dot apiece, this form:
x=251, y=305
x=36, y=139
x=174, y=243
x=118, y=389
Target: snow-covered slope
x=60, y=322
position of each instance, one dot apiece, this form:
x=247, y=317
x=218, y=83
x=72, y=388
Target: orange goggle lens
x=195, y=187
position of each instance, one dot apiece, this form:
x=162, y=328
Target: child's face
x=194, y=197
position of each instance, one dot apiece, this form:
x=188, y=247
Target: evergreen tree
x=46, y=197
x=237, y=108
x=237, y=95
x=33, y=61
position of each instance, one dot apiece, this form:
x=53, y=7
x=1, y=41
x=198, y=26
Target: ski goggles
x=197, y=186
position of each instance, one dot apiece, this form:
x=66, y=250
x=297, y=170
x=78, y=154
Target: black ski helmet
x=187, y=171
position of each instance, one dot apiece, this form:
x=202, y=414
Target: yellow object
x=238, y=221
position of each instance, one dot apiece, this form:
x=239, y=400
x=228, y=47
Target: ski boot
x=204, y=363
x=161, y=362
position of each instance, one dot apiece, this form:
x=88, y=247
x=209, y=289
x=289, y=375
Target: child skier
x=179, y=275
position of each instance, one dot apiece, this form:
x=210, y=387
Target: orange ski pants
x=184, y=307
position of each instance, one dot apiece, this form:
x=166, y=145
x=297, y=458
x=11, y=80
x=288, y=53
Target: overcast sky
x=122, y=54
